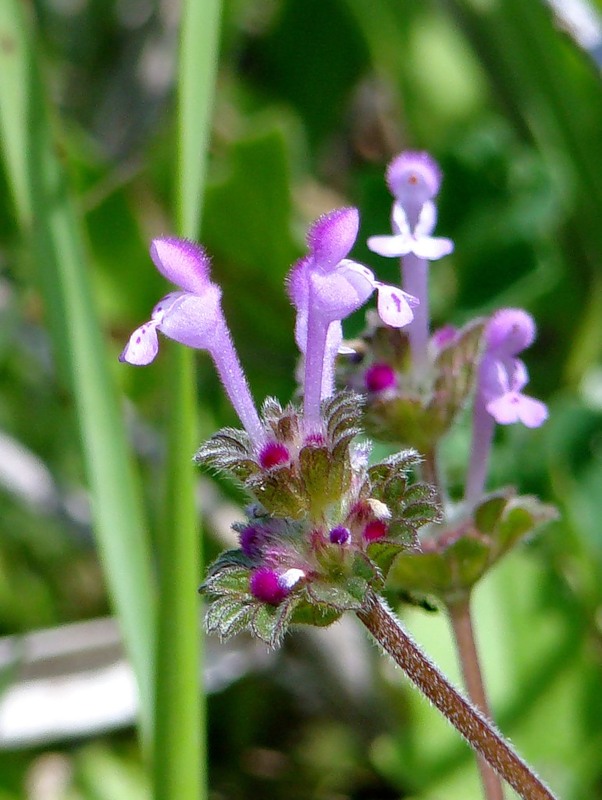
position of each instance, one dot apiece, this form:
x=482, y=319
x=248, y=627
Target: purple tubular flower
x=414, y=180
x=325, y=287
x=273, y=454
x=272, y=587
x=193, y=316
x=339, y=535
x=498, y=396
x=250, y=541
x=379, y=377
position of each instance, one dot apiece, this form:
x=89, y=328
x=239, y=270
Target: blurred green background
x=313, y=97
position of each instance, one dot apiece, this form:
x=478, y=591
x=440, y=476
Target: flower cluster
x=324, y=526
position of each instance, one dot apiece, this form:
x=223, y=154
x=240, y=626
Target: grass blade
x=180, y=749
x=49, y=220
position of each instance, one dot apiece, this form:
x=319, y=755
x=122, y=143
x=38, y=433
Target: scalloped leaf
x=229, y=558
x=383, y=553
x=366, y=568
x=270, y=623
x=347, y=597
x=311, y=613
x=279, y=491
x=342, y=412
x=228, y=581
x=228, y=616
x=398, y=464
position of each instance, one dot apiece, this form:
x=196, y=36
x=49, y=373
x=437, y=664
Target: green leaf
x=488, y=513
x=363, y=567
x=318, y=614
x=523, y=515
x=229, y=558
x=383, y=554
x=229, y=581
x=348, y=597
x=228, y=616
x=280, y=491
x=270, y=623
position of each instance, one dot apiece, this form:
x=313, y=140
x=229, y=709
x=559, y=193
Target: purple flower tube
x=193, y=316
x=414, y=180
x=498, y=396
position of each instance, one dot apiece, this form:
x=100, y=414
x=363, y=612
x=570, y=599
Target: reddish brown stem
x=474, y=727
x=461, y=622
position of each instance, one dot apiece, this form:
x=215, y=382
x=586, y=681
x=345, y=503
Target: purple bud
x=377, y=529
x=250, y=539
x=444, y=336
x=339, y=535
x=413, y=178
x=273, y=454
x=265, y=586
x=380, y=377
x=509, y=331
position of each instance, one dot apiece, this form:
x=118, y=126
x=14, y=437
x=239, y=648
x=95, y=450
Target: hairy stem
x=460, y=617
x=415, y=278
x=474, y=727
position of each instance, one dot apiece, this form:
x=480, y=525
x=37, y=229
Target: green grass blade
x=198, y=69
x=180, y=748
x=49, y=221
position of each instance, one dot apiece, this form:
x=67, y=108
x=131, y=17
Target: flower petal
x=399, y=221
x=142, y=346
x=432, y=247
x=493, y=378
x=194, y=320
x=335, y=295
x=427, y=220
x=332, y=236
x=514, y=407
x=334, y=339
x=184, y=263
x=532, y=412
x=390, y=246
x=394, y=305
x=510, y=330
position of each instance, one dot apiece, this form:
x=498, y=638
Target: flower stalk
x=461, y=623
x=480, y=734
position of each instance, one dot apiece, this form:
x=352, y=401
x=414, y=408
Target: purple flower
x=325, y=288
x=502, y=375
x=498, y=397
x=193, y=316
x=189, y=316
x=417, y=239
x=272, y=587
x=379, y=377
x=500, y=386
x=414, y=180
x=274, y=454
x=339, y=535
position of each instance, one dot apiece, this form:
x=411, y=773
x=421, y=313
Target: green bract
x=450, y=564
x=325, y=485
